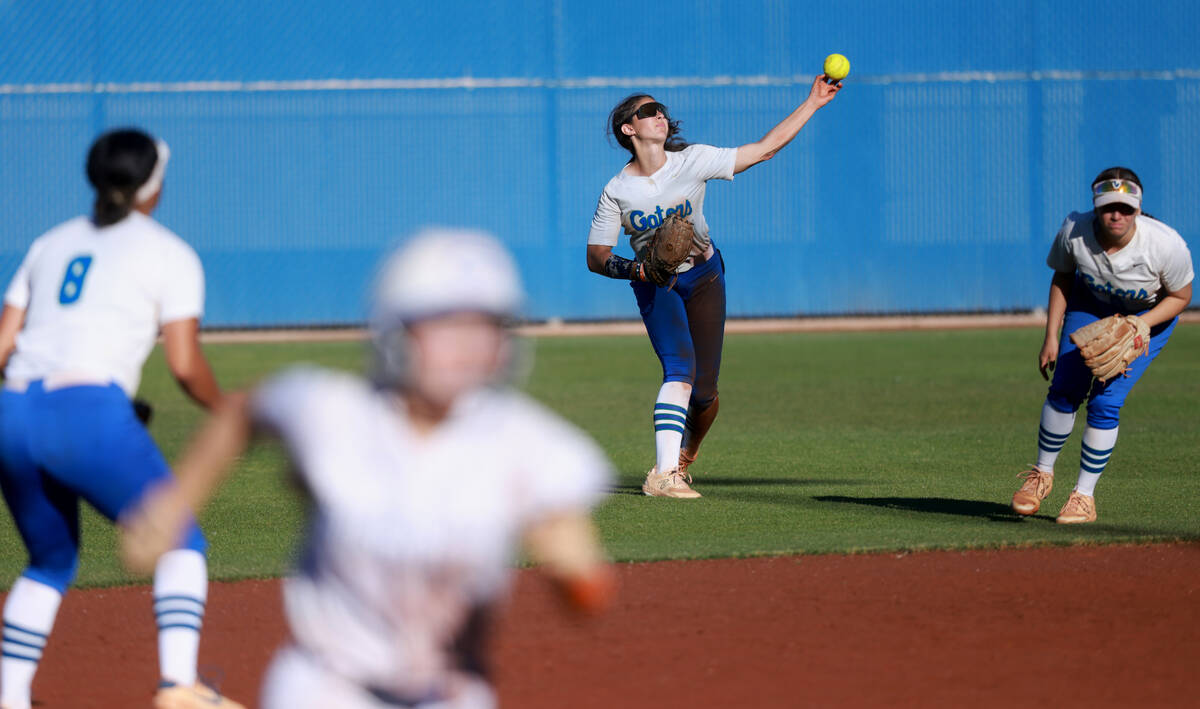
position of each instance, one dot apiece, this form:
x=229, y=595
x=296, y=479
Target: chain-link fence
x=308, y=136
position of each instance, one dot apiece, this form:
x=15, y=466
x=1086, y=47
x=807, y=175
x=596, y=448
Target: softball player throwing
x=80, y=316
x=1113, y=260
x=686, y=320
x=422, y=480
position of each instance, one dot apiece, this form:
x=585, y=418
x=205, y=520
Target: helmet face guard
x=392, y=359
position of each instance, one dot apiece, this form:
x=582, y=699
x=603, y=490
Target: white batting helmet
x=441, y=271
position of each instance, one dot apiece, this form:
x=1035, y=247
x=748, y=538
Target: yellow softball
x=837, y=67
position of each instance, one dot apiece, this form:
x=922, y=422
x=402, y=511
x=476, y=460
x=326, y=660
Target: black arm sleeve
x=622, y=268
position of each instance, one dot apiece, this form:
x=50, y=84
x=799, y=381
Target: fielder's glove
x=669, y=246
x=1110, y=344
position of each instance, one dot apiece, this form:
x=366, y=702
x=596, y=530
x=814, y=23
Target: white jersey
x=95, y=298
x=639, y=204
x=410, y=533
x=1154, y=262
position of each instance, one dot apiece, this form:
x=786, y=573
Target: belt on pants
x=58, y=380
x=694, y=260
x=406, y=701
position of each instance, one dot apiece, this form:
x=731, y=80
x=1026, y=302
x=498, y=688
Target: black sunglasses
x=650, y=110
x=1121, y=207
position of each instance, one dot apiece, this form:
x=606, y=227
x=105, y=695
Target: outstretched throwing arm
x=752, y=154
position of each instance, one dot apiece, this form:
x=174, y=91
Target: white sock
x=1098, y=444
x=670, y=415
x=1053, y=431
x=180, y=592
x=29, y=615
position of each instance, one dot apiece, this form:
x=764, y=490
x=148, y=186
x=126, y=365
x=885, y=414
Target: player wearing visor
x=1114, y=260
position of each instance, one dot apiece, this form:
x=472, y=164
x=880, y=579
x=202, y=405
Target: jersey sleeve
x=711, y=163
x=567, y=470
x=1060, y=257
x=183, y=285
x=606, y=222
x=1176, y=271
x=20, y=288
x=279, y=404
x=294, y=407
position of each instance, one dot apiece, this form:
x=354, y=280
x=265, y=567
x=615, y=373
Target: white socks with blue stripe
x=670, y=415
x=180, y=592
x=1053, y=432
x=29, y=615
x=1097, y=448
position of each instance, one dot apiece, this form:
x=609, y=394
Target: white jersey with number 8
x=95, y=298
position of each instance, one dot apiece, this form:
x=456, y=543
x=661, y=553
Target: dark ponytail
x=118, y=163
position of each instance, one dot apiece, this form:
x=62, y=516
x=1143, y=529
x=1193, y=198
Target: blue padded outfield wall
x=309, y=135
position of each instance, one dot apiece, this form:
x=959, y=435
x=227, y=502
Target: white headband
x=154, y=182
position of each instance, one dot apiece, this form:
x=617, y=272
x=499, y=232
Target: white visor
x=1113, y=191
x=154, y=183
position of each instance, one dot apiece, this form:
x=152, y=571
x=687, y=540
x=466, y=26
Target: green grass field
x=830, y=442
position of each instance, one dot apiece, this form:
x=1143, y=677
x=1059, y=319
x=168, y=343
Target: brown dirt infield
x=1077, y=627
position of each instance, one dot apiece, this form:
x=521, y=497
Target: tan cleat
x=198, y=696
x=1028, y=499
x=1080, y=508
x=670, y=484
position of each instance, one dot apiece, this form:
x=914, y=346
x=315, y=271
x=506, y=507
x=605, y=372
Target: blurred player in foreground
x=80, y=317
x=1112, y=260
x=423, y=481
x=686, y=319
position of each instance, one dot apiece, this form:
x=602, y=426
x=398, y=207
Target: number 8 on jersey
x=72, y=285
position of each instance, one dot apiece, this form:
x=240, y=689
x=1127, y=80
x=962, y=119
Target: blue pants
x=686, y=325
x=59, y=446
x=1073, y=382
